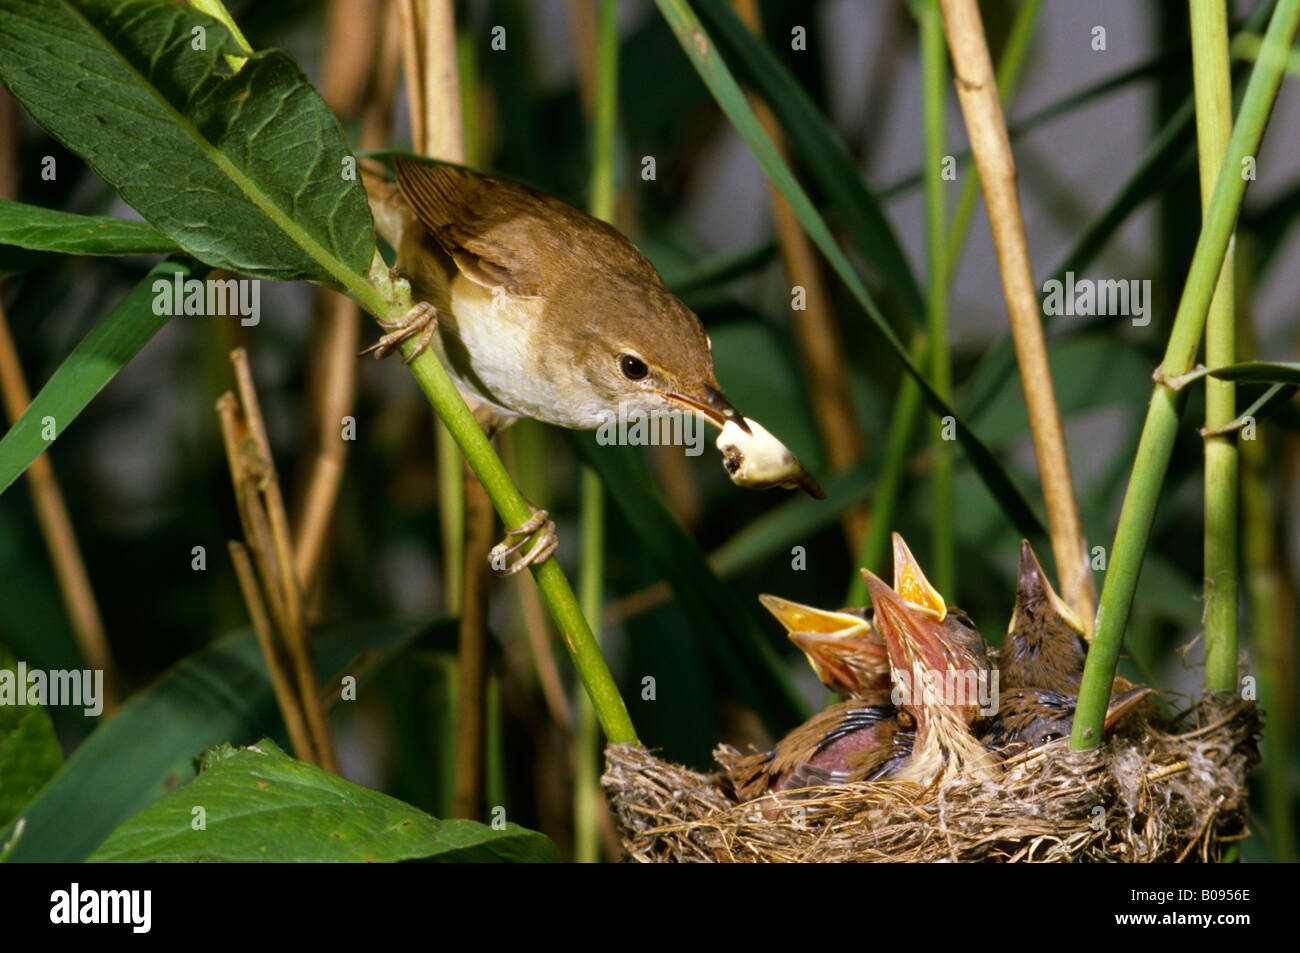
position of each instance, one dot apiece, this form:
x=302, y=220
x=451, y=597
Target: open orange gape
x=934, y=753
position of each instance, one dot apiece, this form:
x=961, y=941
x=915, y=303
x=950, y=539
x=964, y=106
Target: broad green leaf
x=260, y=805
x=244, y=171
x=29, y=752
x=726, y=624
x=703, y=55
x=94, y=362
x=43, y=229
x=219, y=694
x=819, y=149
x=1259, y=372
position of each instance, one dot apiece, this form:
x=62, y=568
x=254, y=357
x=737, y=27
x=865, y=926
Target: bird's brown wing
x=504, y=234
x=744, y=777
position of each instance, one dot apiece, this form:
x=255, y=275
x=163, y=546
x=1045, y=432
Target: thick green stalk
x=390, y=301
x=1161, y=425
x=1010, y=65
x=934, y=89
x=586, y=781
x=1213, y=92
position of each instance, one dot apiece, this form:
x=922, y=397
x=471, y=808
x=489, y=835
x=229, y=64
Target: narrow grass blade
x=94, y=362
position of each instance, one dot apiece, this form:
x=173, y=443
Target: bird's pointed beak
x=711, y=404
x=910, y=582
x=912, y=633
x=797, y=617
x=827, y=639
x=1033, y=589
x=1121, y=705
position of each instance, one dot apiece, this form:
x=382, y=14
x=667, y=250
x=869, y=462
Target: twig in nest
x=1159, y=774
x=1201, y=834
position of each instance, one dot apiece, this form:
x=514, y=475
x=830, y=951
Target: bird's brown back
x=503, y=233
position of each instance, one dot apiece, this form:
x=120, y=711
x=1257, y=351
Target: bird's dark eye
x=965, y=620
x=633, y=367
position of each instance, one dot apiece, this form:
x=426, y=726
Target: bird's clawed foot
x=541, y=529
x=422, y=319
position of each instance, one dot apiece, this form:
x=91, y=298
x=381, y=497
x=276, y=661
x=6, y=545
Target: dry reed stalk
x=537, y=630
x=355, y=78
x=471, y=695
x=276, y=664
x=409, y=12
x=60, y=537
x=47, y=499
x=977, y=92
x=266, y=526
x=431, y=63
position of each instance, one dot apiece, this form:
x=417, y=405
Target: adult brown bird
x=843, y=647
x=1030, y=717
x=941, y=674
x=537, y=309
x=1045, y=646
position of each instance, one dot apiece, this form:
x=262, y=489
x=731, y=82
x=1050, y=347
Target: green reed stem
x=934, y=90
x=586, y=781
x=1161, y=426
x=1213, y=92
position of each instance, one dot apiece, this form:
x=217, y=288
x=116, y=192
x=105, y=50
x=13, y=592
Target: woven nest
x=1174, y=791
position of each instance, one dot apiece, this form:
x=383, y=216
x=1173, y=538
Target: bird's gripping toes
x=422, y=319
x=541, y=529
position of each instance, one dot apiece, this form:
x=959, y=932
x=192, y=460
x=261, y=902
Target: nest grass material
x=1157, y=791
